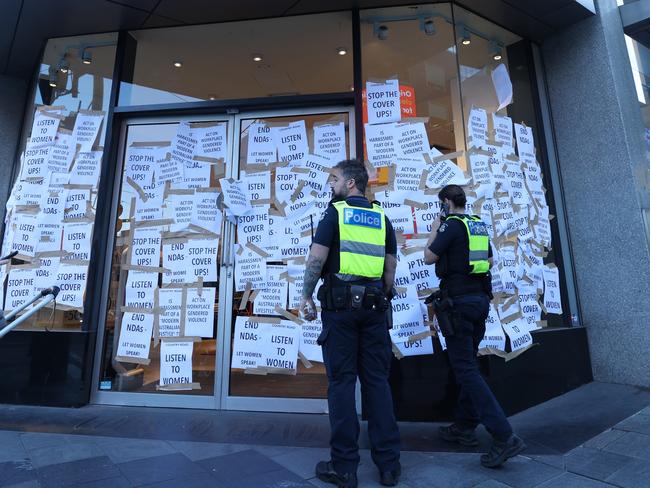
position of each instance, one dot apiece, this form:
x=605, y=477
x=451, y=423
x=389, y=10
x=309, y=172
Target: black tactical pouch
x=357, y=294
x=339, y=298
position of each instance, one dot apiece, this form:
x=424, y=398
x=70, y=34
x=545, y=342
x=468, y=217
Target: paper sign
x=502, y=86
x=20, y=287
x=530, y=308
x=552, y=300
x=176, y=363
x=318, y=176
x=86, y=128
x=297, y=274
x=196, y=175
x=235, y=196
x=249, y=267
x=516, y=187
x=202, y=259
x=247, y=344
x=152, y=209
x=258, y=187
x=281, y=349
x=275, y=292
x=199, y=313
x=407, y=320
x=76, y=204
x=525, y=141
x=329, y=141
x=29, y=192
x=291, y=142
x=254, y=226
x=35, y=162
x=518, y=333
x=86, y=169
x=383, y=101
x=146, y=247
x=135, y=336
x=169, y=323
x=477, y=132
x=205, y=213
x=180, y=209
x=481, y=174
x=423, y=276
x=494, y=337
x=183, y=145
x=46, y=273
x=408, y=174
x=71, y=279
x=412, y=140
x=141, y=162
x=444, y=173
x=76, y=240
x=400, y=216
x=309, y=333
x=425, y=218
x=261, y=147
x=62, y=153
x=140, y=288
x=503, y=132
x=212, y=141
x=381, y=144
x=26, y=234
x=416, y=348
x=44, y=129
x=286, y=182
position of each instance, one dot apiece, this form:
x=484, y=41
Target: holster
x=443, y=307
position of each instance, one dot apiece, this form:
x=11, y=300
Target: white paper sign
x=86, y=168
x=76, y=204
x=249, y=267
x=86, y=128
x=477, y=129
x=258, y=187
x=20, y=287
x=275, y=292
x=196, y=175
x=281, y=349
x=45, y=274
x=297, y=272
x=552, y=300
x=35, y=162
x=318, y=176
x=329, y=141
x=503, y=132
x=199, y=313
x=76, y=240
x=444, y=173
x=261, y=146
x=26, y=234
x=494, y=337
x=518, y=333
x=516, y=187
x=502, y=85
x=205, y=213
x=71, y=279
x=291, y=142
x=235, y=196
x=211, y=141
x=141, y=163
x=146, y=247
x=179, y=207
x=169, y=323
x=135, y=335
x=412, y=140
x=254, y=226
x=202, y=259
x=308, y=340
x=525, y=141
x=176, y=363
x=383, y=100
x=44, y=129
x=481, y=173
x=381, y=144
x=408, y=174
x=247, y=344
x=140, y=289
x=152, y=209
x=62, y=152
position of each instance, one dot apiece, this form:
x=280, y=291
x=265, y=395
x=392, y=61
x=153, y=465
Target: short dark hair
x=454, y=193
x=353, y=169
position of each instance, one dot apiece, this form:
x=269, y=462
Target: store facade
x=184, y=168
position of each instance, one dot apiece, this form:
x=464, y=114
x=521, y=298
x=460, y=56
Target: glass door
x=272, y=361
x=158, y=345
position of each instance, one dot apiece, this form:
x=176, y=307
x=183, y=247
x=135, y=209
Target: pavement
x=595, y=436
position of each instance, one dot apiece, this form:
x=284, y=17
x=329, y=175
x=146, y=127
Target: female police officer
x=461, y=250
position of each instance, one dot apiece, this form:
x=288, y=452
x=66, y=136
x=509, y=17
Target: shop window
x=442, y=106
x=261, y=58
x=51, y=211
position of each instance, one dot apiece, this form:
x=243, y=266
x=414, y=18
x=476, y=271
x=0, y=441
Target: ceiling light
x=86, y=56
x=466, y=38
x=496, y=50
x=64, y=66
x=257, y=58
x=178, y=64
x=429, y=27
x=341, y=51
x=381, y=31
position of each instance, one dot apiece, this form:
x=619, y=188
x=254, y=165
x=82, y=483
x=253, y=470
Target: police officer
x=459, y=246
x=354, y=251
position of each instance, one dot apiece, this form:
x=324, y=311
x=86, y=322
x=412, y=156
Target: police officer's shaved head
x=454, y=193
x=353, y=169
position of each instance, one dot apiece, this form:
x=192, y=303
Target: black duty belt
x=352, y=297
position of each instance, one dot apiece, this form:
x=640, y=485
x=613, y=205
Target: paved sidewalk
x=619, y=456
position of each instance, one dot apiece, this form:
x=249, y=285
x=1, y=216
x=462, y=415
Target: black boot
x=390, y=478
x=453, y=433
x=325, y=472
x=501, y=451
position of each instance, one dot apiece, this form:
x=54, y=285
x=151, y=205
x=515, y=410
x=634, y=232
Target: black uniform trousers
x=476, y=402
x=357, y=343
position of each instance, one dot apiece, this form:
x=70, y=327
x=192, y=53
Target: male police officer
x=461, y=250
x=354, y=250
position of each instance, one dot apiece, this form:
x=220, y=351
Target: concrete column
x=599, y=136
x=12, y=105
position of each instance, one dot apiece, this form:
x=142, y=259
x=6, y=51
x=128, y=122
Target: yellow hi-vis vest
x=479, y=243
x=362, y=233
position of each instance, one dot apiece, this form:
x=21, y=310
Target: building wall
x=12, y=104
x=596, y=122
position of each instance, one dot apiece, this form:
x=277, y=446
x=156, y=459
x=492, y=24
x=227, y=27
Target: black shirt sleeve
x=444, y=238
x=325, y=233
x=391, y=241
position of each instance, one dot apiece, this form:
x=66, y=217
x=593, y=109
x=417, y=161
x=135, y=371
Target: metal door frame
x=157, y=399
x=273, y=404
